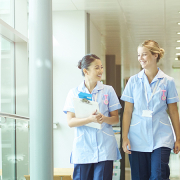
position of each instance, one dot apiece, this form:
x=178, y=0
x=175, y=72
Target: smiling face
x=94, y=71
x=146, y=58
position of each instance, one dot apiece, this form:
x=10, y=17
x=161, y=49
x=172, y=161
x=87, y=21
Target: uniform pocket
x=166, y=130
x=78, y=141
x=108, y=134
x=134, y=134
x=134, y=124
x=110, y=145
x=79, y=136
x=166, y=124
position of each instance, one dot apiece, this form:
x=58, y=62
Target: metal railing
x=13, y=116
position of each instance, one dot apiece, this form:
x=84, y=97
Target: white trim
x=114, y=105
x=165, y=124
x=10, y=33
x=78, y=136
x=108, y=134
x=173, y=97
x=135, y=124
x=128, y=96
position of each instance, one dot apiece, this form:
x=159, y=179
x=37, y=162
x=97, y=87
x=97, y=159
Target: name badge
x=147, y=113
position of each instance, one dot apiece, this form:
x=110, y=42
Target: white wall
x=21, y=8
x=69, y=34
x=95, y=40
x=96, y=46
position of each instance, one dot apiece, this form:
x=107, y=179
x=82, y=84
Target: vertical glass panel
x=7, y=11
x=22, y=148
x=7, y=76
x=7, y=105
x=8, y=149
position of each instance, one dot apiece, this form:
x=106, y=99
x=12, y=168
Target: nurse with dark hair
x=94, y=150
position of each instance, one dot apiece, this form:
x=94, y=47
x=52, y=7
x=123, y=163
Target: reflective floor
x=174, y=167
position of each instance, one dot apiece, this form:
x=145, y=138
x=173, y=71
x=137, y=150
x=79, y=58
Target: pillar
x=40, y=89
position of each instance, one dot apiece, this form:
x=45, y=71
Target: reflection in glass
x=7, y=11
x=22, y=148
x=8, y=149
x=7, y=105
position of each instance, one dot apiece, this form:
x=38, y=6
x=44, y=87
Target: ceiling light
x=176, y=59
x=178, y=54
x=178, y=32
x=178, y=23
x=178, y=40
x=177, y=47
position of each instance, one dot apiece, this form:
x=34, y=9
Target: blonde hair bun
x=154, y=48
x=161, y=54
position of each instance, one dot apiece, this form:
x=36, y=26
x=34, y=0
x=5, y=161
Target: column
x=40, y=89
x=111, y=70
x=118, y=79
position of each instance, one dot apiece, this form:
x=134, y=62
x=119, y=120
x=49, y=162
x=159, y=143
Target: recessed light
x=178, y=40
x=178, y=23
x=177, y=54
x=178, y=32
x=177, y=47
x=176, y=59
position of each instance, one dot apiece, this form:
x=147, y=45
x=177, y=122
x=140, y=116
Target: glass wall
x=7, y=105
x=7, y=11
x=22, y=149
x=7, y=76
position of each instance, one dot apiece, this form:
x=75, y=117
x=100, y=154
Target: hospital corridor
x=71, y=70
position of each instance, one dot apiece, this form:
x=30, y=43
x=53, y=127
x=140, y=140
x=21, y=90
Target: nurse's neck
x=90, y=85
x=151, y=73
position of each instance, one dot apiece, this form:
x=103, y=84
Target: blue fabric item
x=85, y=95
x=95, y=171
x=149, y=133
x=150, y=165
x=93, y=145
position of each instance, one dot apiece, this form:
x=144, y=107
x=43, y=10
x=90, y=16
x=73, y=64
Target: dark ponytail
x=86, y=61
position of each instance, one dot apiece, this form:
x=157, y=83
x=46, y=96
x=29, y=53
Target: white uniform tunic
x=92, y=145
x=149, y=133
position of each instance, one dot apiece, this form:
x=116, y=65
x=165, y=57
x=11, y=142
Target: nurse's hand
x=177, y=147
x=97, y=118
x=126, y=143
x=101, y=120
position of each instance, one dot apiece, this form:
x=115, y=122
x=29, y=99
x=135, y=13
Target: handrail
x=13, y=116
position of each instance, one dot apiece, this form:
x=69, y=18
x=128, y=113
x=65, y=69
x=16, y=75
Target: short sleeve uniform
x=93, y=145
x=149, y=133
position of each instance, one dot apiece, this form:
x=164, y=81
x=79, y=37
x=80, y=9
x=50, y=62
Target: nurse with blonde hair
x=147, y=132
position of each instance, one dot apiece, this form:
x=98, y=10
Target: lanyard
x=154, y=90
x=95, y=99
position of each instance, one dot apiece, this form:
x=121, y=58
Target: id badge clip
x=163, y=97
x=106, y=99
x=147, y=113
x=85, y=96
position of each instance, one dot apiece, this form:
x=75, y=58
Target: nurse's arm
x=174, y=116
x=113, y=119
x=127, y=115
x=75, y=122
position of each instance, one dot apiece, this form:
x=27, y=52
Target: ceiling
x=124, y=24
